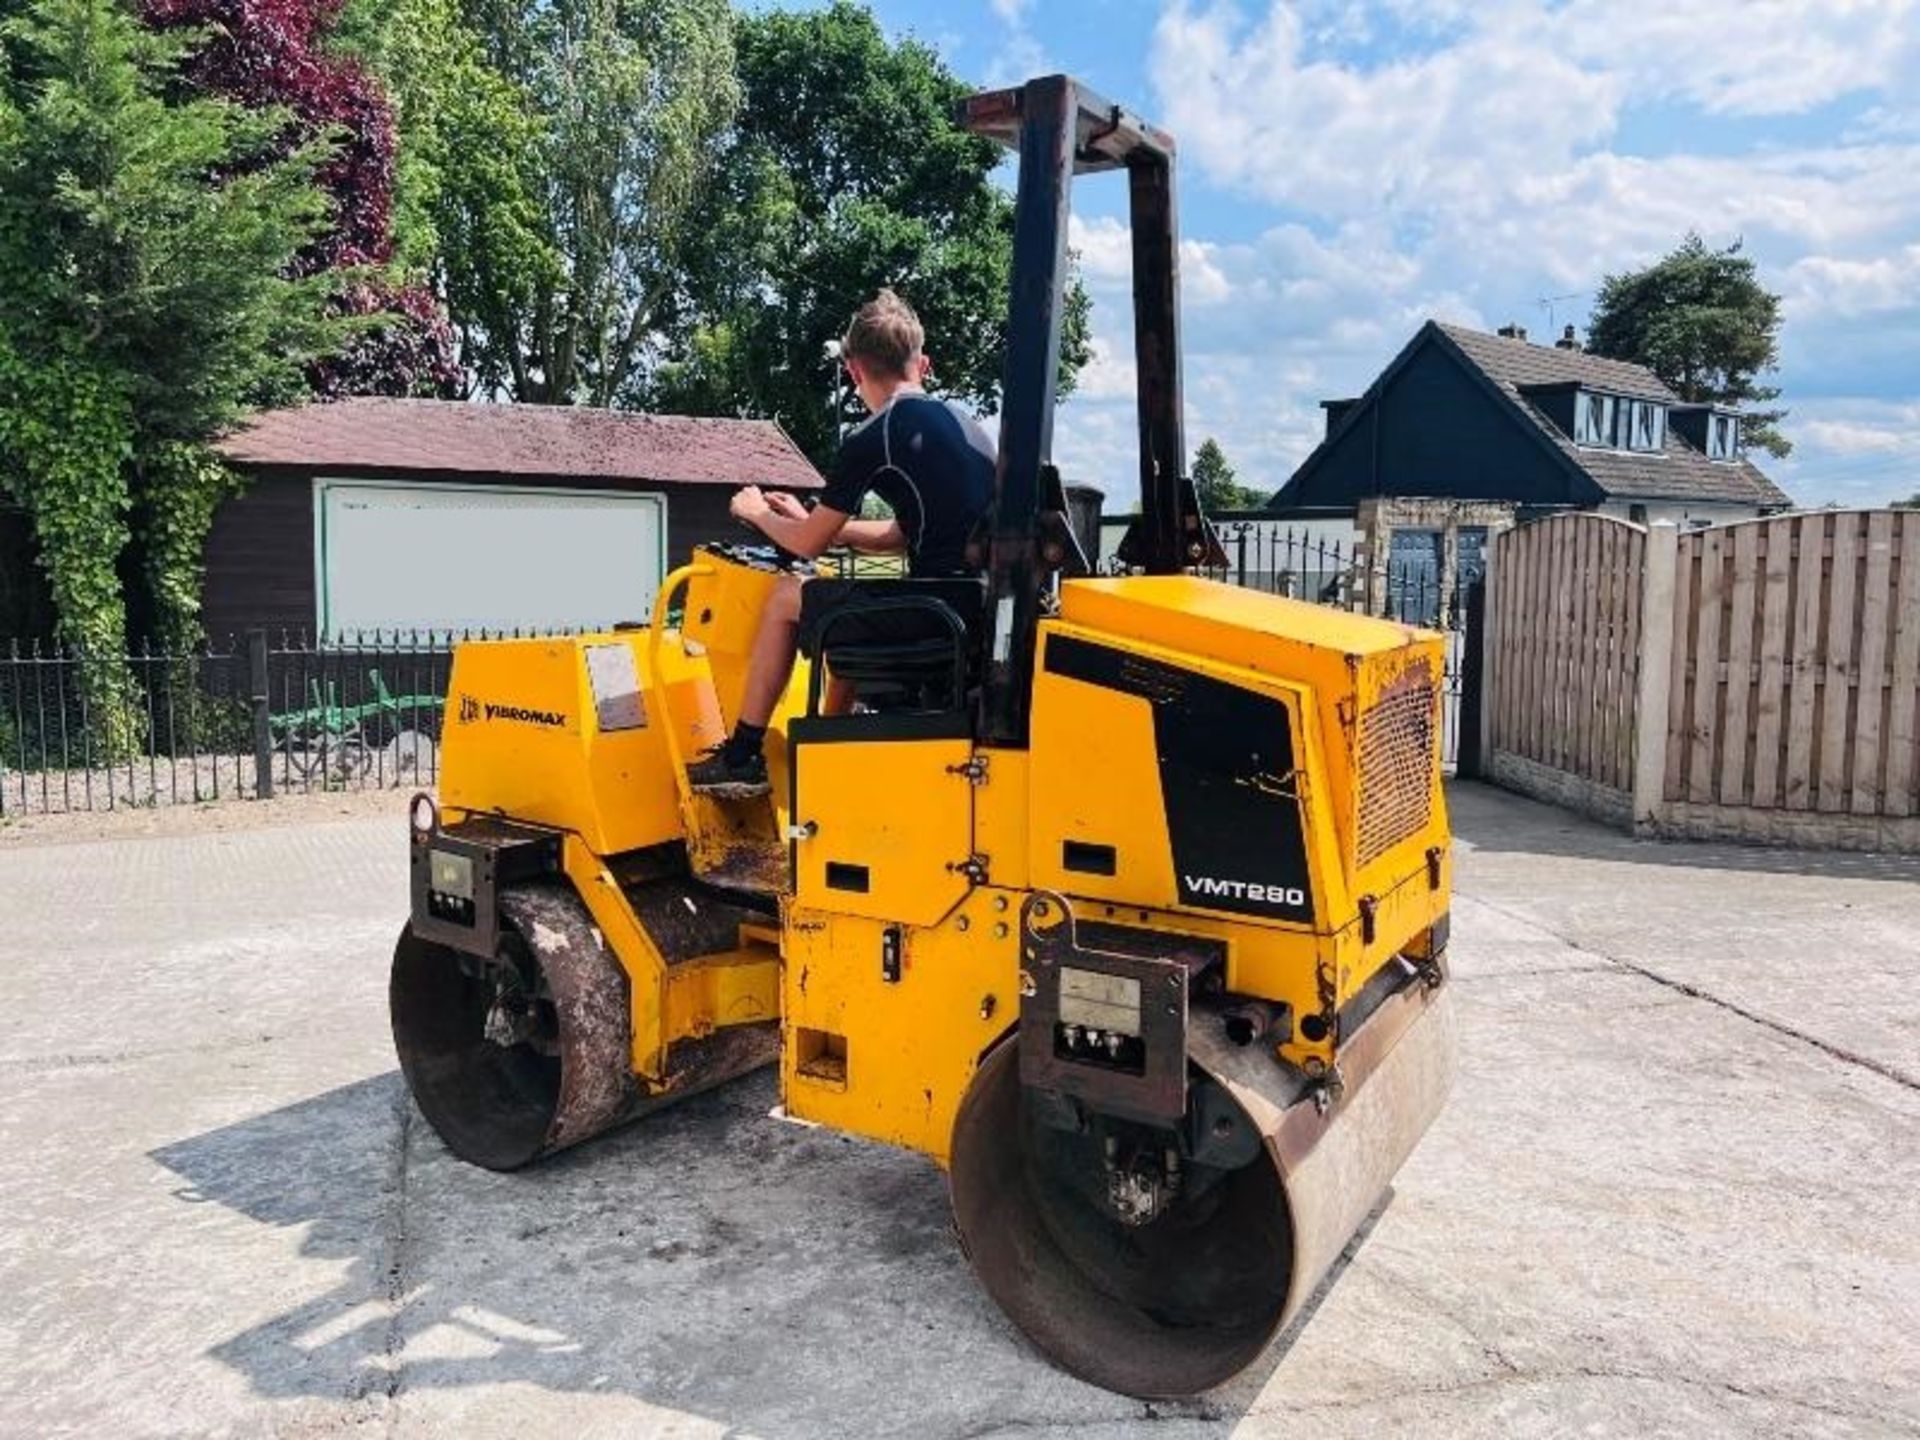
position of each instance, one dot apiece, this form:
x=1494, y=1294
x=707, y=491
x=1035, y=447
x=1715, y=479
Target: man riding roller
x=929, y=460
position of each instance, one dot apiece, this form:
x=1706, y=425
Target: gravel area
x=230, y=813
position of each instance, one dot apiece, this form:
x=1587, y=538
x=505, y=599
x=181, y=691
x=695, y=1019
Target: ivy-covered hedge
x=192, y=221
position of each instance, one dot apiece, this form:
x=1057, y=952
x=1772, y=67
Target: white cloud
x=1255, y=109
x=1848, y=438
x=1830, y=285
x=1738, y=57
x=1504, y=131
x=1097, y=444
x=1110, y=373
x=1202, y=282
x=1020, y=56
x=1105, y=248
x=1853, y=451
x=1464, y=158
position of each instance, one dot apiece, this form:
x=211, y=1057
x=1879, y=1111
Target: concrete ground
x=1677, y=1190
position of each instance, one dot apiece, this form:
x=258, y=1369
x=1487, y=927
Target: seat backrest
x=964, y=595
x=893, y=638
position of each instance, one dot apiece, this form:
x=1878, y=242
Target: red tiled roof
x=548, y=441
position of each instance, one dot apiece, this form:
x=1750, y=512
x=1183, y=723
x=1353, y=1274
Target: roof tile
x=543, y=441
x=1679, y=472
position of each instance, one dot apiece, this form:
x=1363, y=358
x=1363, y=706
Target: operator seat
x=902, y=645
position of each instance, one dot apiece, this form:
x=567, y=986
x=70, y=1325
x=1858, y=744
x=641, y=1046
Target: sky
x=1348, y=170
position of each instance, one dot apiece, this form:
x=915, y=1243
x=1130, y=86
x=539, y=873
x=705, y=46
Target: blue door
x=1413, y=576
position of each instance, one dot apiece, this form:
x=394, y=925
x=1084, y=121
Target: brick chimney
x=1567, y=340
x=1511, y=331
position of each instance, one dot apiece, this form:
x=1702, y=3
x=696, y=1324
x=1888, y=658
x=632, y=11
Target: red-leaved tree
x=264, y=53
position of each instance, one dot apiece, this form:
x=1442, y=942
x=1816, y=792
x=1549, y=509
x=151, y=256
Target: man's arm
x=874, y=537
x=806, y=537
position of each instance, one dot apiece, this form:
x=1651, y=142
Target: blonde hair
x=884, y=334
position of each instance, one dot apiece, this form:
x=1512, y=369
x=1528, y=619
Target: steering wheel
x=764, y=555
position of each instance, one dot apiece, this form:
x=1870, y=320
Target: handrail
x=656, y=634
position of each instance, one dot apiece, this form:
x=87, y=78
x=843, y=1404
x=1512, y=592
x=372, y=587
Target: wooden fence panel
x=1704, y=665
x=1588, y=652
x=1770, y=699
x=1630, y=576
x=1736, y=723
x=1809, y=586
x=1686, y=607
x=1604, y=623
x=1868, y=762
x=1794, y=672
x=1567, y=632
x=1792, y=688
x=1902, y=795
x=1836, y=663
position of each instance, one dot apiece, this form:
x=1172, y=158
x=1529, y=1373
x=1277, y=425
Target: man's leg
x=839, y=697
x=769, y=667
x=770, y=662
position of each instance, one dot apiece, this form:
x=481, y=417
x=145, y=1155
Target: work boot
x=722, y=773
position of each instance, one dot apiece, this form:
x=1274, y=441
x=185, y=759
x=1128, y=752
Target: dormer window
x=1649, y=426
x=1593, y=419
x=1611, y=422
x=1723, y=437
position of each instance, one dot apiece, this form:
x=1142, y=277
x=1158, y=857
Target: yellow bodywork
x=891, y=1060
x=904, y=862
x=523, y=739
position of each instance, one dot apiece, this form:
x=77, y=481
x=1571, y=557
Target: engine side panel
x=883, y=1025
x=1222, y=759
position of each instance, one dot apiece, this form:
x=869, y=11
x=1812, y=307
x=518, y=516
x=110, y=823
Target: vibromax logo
x=1246, y=890
x=471, y=709
x=551, y=718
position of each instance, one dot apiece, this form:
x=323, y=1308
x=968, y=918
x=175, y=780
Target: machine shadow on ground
x=1496, y=820
x=708, y=1259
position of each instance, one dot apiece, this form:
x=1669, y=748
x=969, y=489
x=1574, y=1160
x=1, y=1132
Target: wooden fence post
x=1654, y=685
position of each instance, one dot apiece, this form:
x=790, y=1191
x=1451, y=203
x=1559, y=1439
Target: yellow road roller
x=1122, y=899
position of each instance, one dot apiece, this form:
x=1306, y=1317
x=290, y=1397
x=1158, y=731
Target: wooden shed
x=371, y=514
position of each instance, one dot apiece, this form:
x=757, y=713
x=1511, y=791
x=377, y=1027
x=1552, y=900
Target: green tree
x=1701, y=320
x=143, y=238
x=465, y=211
x=550, y=151
x=844, y=172
x=1214, y=481
x=1912, y=502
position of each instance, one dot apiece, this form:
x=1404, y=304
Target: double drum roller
x=1124, y=900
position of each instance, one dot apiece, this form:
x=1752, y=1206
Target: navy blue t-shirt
x=932, y=463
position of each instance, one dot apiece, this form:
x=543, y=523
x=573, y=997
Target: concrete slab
x=1825, y=945
x=1644, y=1212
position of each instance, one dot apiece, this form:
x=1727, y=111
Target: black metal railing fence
x=261, y=714
x=245, y=717
x=1297, y=562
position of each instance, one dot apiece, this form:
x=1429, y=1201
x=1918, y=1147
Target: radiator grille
x=1397, y=756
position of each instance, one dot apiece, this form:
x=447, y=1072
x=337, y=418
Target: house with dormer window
x=1463, y=415
x=1465, y=433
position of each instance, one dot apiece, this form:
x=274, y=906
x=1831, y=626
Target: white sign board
x=396, y=556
